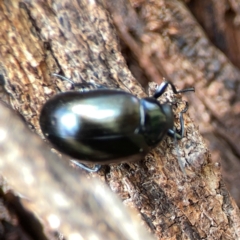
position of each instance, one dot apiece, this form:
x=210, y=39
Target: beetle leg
x=85, y=167
x=161, y=89
x=85, y=86
x=172, y=132
x=64, y=78
x=182, y=166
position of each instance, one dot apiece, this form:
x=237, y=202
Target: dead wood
x=48, y=187
x=78, y=39
x=223, y=133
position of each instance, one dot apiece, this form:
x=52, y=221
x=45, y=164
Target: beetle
x=103, y=125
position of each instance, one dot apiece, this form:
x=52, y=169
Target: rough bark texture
x=221, y=23
x=64, y=198
x=78, y=39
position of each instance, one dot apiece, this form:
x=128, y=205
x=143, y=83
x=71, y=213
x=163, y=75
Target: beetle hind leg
x=85, y=167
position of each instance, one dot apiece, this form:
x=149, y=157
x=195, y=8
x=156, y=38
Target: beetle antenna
x=162, y=87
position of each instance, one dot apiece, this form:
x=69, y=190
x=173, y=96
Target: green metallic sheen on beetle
x=104, y=125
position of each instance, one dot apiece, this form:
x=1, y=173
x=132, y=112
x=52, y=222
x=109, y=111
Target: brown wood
x=78, y=39
x=221, y=24
x=63, y=198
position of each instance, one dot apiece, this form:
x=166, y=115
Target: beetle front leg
x=172, y=132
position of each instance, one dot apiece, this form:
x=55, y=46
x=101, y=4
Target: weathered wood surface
x=221, y=24
x=78, y=39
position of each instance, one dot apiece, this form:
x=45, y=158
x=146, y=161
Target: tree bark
x=159, y=39
x=223, y=31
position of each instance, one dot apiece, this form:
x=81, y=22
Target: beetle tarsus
x=172, y=132
x=181, y=165
x=85, y=167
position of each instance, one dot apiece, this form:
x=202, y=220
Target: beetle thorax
x=157, y=120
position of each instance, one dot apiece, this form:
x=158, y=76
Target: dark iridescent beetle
x=104, y=125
